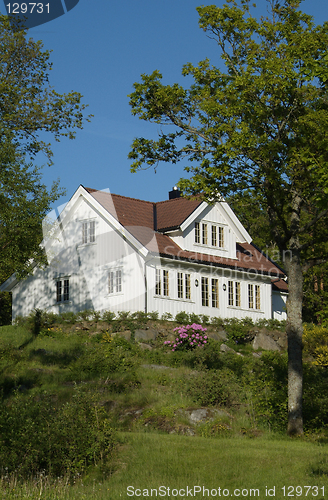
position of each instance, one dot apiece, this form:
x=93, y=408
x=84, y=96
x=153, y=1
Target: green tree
x=260, y=125
x=29, y=107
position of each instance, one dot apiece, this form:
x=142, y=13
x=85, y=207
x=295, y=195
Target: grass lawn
x=239, y=466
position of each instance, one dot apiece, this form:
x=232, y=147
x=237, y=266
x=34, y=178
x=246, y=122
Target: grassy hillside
x=82, y=403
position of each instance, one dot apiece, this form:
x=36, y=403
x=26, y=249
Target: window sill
x=210, y=247
x=80, y=245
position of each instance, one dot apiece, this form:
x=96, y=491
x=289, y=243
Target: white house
x=109, y=252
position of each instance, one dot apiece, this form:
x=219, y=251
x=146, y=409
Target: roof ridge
x=121, y=196
x=180, y=198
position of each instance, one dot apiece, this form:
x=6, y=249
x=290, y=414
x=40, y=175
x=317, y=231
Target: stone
x=126, y=334
x=150, y=334
x=263, y=341
x=225, y=348
x=201, y=415
x=218, y=335
x=145, y=347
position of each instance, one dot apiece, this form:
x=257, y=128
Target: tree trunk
x=294, y=335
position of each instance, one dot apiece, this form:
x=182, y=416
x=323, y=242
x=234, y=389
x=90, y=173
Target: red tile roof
x=139, y=218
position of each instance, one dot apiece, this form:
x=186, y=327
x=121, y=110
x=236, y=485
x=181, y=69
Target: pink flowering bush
x=187, y=338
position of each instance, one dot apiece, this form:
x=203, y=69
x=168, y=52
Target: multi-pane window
x=165, y=282
x=257, y=297
x=254, y=296
x=62, y=290
x=88, y=232
x=162, y=282
x=234, y=296
x=187, y=286
x=115, y=281
x=180, y=285
x=237, y=294
x=209, y=234
x=251, y=296
x=204, y=291
x=220, y=237
x=197, y=232
x=158, y=285
x=215, y=292
x=230, y=293
x=214, y=236
x=183, y=286
x=204, y=234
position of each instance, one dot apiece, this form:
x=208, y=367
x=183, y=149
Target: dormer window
x=197, y=232
x=204, y=234
x=210, y=235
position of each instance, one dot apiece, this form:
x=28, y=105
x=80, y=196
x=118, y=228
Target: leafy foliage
x=315, y=341
x=36, y=435
x=29, y=108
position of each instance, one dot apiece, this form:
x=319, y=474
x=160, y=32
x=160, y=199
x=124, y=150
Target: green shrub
x=238, y=330
x=108, y=316
x=218, y=322
x=266, y=387
x=214, y=387
x=166, y=316
x=194, y=318
x=84, y=315
x=315, y=343
x=182, y=318
x=36, y=436
x=153, y=316
x=101, y=359
x=67, y=317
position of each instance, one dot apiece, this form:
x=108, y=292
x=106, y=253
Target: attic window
x=210, y=235
x=88, y=232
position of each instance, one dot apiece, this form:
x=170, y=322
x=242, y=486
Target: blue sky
x=99, y=49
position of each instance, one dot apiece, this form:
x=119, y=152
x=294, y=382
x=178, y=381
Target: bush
x=108, y=316
x=37, y=436
x=315, y=343
x=239, y=330
x=188, y=338
x=182, y=317
x=214, y=387
x=104, y=358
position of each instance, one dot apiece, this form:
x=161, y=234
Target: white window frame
x=184, y=285
x=162, y=282
x=254, y=296
x=205, y=291
x=88, y=231
x=215, y=292
x=115, y=281
x=210, y=235
x=234, y=293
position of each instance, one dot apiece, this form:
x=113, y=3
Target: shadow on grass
x=61, y=359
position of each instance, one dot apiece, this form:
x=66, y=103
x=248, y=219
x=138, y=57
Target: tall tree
x=259, y=125
x=29, y=107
